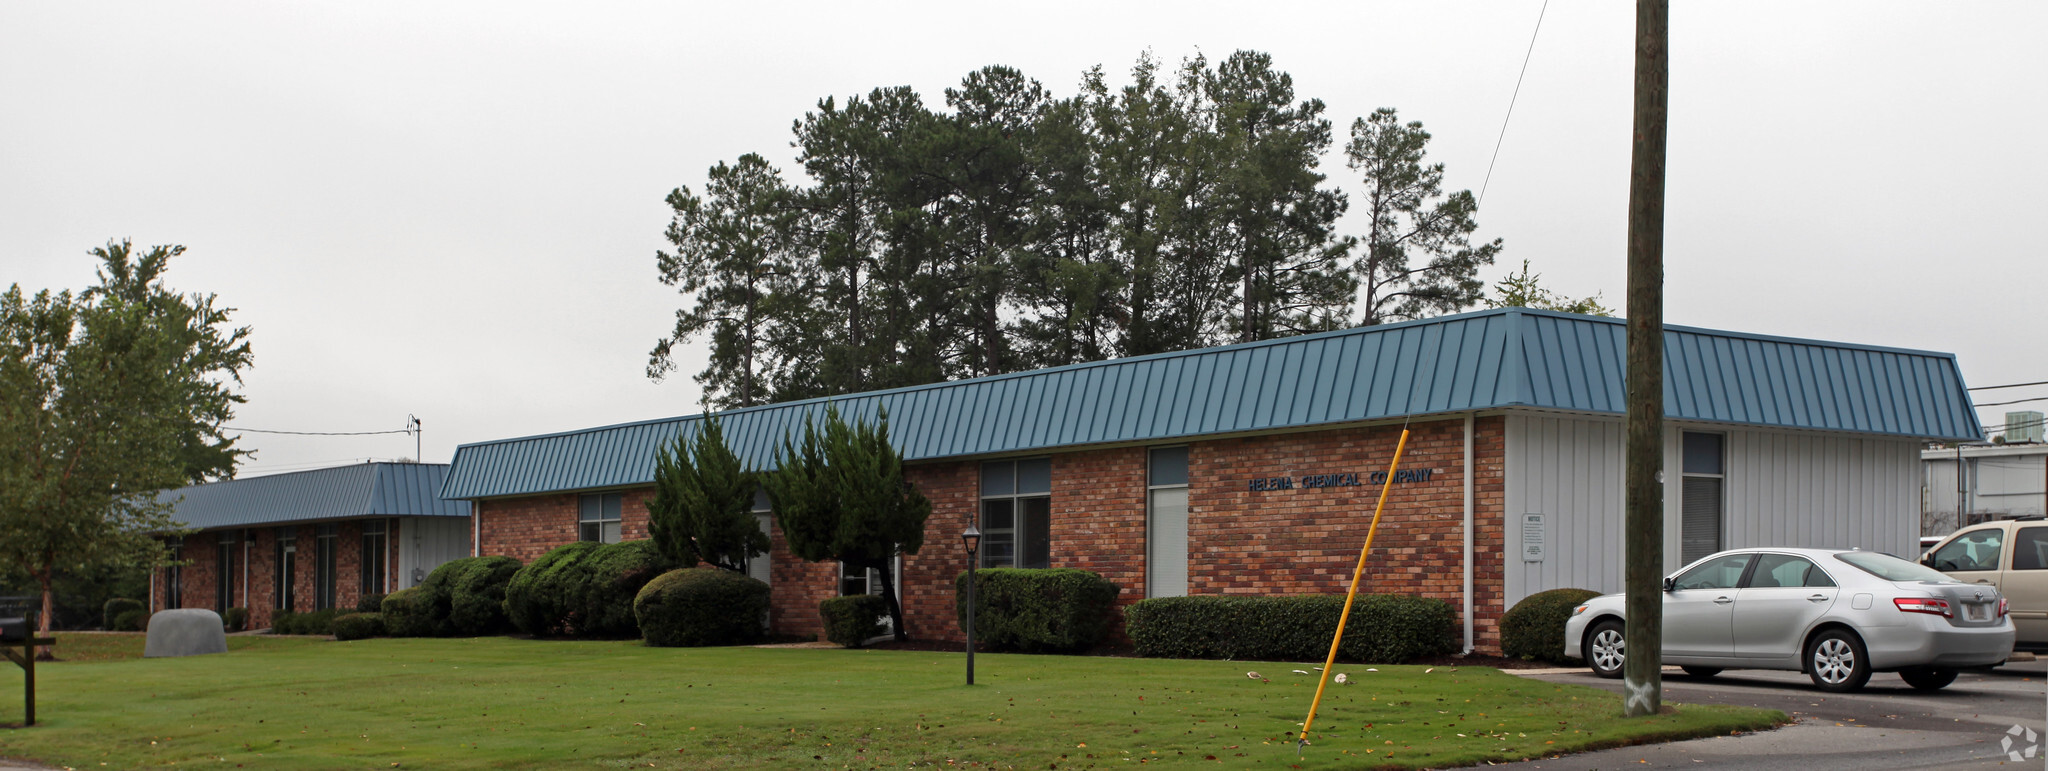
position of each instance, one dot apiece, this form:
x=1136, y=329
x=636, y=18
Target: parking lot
x=1887, y=725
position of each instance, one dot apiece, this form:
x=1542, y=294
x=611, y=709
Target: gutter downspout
x=1467, y=594
x=476, y=529
x=245, y=568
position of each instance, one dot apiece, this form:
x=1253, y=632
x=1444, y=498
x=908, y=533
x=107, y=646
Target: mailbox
x=13, y=629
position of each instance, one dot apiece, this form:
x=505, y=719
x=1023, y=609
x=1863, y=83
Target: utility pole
x=1642, y=671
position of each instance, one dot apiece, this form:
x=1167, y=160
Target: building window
x=224, y=581
x=174, y=575
x=376, y=544
x=1700, y=495
x=597, y=517
x=1016, y=513
x=1166, y=522
x=854, y=581
x=757, y=566
x=323, y=561
x=287, y=568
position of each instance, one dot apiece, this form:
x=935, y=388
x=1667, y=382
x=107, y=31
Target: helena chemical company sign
x=1267, y=484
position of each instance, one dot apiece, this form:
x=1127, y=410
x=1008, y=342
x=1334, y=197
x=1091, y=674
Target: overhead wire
x=1526, y=56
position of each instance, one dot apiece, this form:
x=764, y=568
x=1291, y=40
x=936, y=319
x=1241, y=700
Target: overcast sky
x=451, y=210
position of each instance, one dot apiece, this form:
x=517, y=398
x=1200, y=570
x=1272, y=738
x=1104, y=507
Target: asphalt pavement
x=1986, y=719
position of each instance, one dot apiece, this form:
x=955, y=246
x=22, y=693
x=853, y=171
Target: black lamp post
x=972, y=539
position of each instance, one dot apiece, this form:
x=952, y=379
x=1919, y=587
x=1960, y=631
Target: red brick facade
x=253, y=582
x=1240, y=541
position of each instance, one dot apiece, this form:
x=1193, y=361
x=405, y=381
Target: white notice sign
x=1532, y=538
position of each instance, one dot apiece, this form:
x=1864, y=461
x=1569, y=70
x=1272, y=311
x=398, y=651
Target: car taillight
x=1932, y=605
x=2001, y=607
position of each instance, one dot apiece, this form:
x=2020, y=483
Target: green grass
x=112, y=647
x=505, y=703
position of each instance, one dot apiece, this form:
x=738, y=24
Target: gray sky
x=451, y=209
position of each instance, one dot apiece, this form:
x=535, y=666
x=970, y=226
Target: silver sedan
x=1836, y=615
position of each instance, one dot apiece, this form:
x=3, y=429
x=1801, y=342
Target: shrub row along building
x=1253, y=468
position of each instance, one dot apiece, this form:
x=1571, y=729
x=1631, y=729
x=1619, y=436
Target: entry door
x=1699, y=618
x=287, y=573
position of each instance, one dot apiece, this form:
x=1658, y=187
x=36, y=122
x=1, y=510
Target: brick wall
x=201, y=577
x=1291, y=541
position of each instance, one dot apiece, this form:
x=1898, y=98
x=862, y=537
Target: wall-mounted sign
x=1264, y=484
x=1532, y=538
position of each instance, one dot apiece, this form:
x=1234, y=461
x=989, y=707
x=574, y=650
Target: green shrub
x=1533, y=630
x=113, y=610
x=701, y=606
x=476, y=596
x=854, y=619
x=1056, y=610
x=584, y=589
x=316, y=622
x=402, y=617
x=236, y=619
x=370, y=603
x=1384, y=628
x=358, y=626
x=131, y=620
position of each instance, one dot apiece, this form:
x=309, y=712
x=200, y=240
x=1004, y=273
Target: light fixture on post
x=972, y=540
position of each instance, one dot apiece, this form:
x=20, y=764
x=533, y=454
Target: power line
x=1511, y=102
x=2007, y=385
x=2015, y=401
x=315, y=433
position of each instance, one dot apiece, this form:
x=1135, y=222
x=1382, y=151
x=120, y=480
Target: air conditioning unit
x=2024, y=427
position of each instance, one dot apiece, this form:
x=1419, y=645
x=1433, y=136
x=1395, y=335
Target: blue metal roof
x=342, y=492
x=1511, y=357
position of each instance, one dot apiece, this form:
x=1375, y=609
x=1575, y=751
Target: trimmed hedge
x=1384, y=628
x=1533, y=630
x=129, y=621
x=701, y=606
x=113, y=610
x=403, y=616
x=584, y=589
x=358, y=626
x=235, y=620
x=476, y=595
x=370, y=603
x=854, y=619
x=316, y=622
x=1037, y=610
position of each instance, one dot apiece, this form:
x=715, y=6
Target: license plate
x=1976, y=611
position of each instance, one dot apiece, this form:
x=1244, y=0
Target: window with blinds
x=1166, y=523
x=1700, y=488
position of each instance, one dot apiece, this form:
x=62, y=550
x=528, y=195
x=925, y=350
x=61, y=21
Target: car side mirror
x=1669, y=582
x=1927, y=561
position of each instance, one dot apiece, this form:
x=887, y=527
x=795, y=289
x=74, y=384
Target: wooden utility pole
x=1642, y=670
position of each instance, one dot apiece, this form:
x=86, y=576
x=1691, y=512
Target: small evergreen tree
x=704, y=501
x=843, y=497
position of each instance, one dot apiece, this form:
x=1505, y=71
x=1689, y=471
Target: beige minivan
x=2011, y=555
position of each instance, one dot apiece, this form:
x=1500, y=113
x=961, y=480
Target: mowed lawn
x=513, y=703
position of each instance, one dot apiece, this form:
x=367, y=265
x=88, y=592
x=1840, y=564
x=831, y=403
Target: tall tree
x=1526, y=290
x=1418, y=258
x=107, y=398
x=735, y=257
x=1067, y=276
x=1291, y=274
x=704, y=501
x=841, y=495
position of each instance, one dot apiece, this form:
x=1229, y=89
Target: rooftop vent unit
x=2024, y=427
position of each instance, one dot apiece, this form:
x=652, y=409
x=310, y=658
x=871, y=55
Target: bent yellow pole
x=1338, y=639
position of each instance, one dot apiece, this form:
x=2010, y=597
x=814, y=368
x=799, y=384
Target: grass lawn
x=506, y=703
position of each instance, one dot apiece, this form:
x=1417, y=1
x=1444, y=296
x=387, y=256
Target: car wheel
x=1928, y=678
x=1702, y=671
x=1836, y=661
x=1606, y=649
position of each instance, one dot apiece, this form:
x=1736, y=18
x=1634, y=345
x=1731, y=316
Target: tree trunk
x=1644, y=482
x=49, y=599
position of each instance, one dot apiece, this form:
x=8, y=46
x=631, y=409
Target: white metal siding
x=1569, y=470
x=424, y=543
x=1782, y=488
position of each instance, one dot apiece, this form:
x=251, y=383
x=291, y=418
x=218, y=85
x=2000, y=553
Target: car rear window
x=1891, y=568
